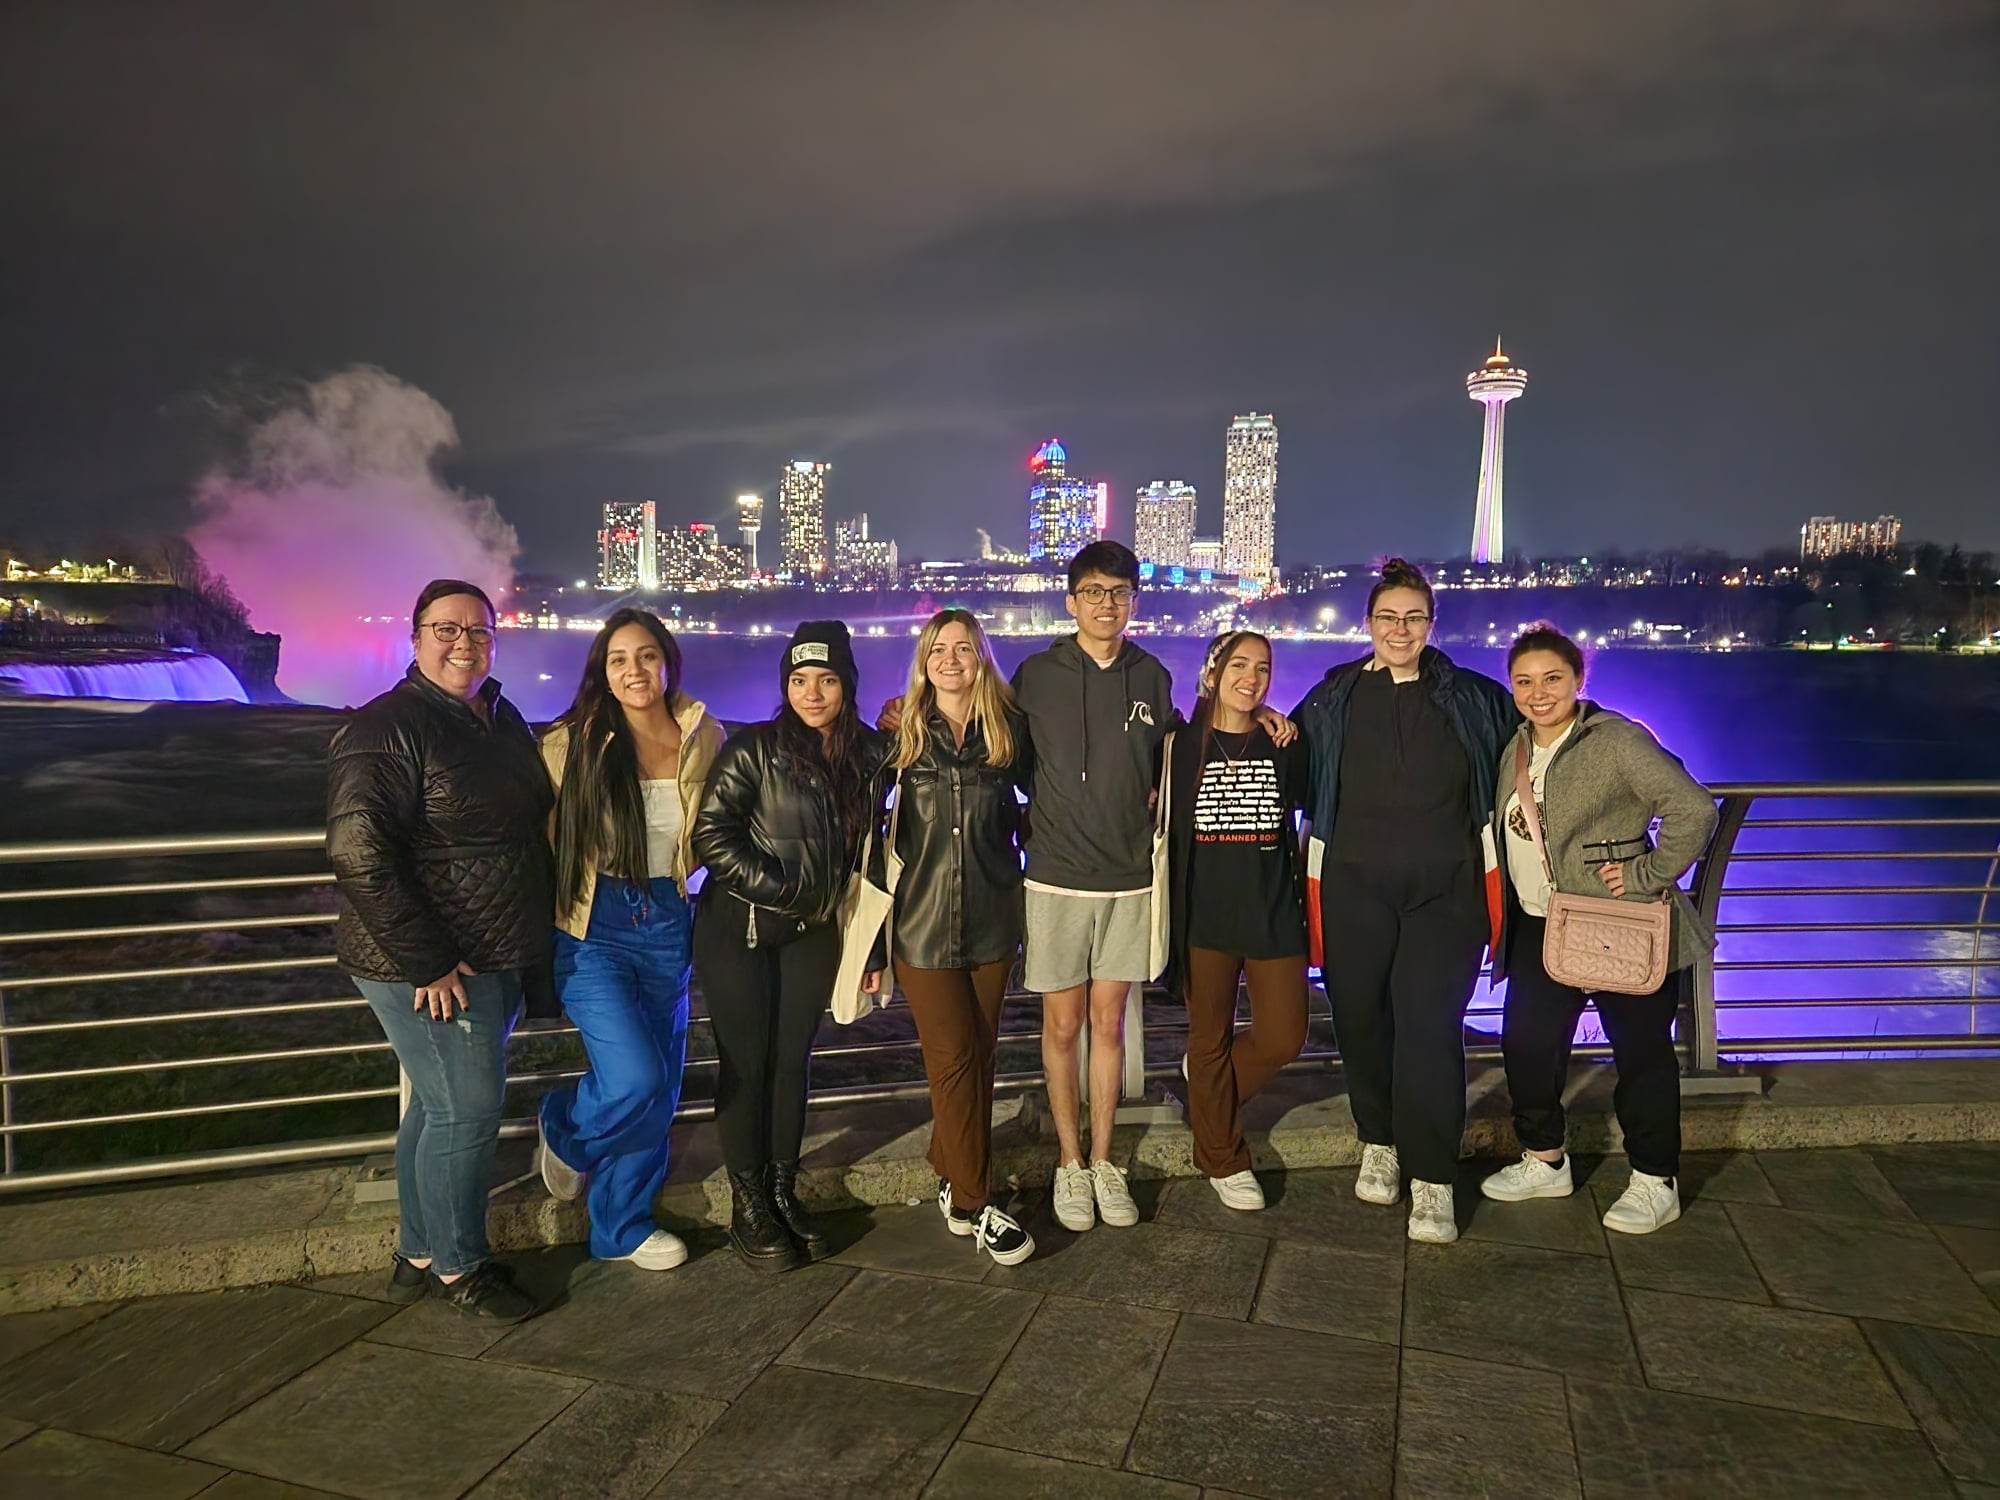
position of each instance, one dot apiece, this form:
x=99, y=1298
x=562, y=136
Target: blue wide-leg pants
x=625, y=985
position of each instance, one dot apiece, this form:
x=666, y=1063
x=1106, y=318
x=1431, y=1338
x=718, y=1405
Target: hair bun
x=1400, y=569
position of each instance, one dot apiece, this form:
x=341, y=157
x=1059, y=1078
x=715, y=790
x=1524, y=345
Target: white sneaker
x=1431, y=1216
x=1239, y=1190
x=1381, y=1179
x=660, y=1252
x=1114, y=1200
x=561, y=1179
x=1648, y=1203
x=1071, y=1198
x=958, y=1223
x=1003, y=1239
x=1530, y=1177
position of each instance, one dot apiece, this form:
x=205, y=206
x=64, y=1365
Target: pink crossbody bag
x=1596, y=943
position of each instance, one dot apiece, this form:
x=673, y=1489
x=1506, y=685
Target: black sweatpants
x=764, y=1004
x=1403, y=948
x=1540, y=1028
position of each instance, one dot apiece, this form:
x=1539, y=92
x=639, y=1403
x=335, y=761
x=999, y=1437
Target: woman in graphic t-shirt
x=1237, y=903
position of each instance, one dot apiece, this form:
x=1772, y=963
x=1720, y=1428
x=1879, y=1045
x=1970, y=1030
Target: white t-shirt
x=1524, y=865
x=663, y=825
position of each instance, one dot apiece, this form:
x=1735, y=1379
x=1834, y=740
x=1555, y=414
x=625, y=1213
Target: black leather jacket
x=436, y=826
x=959, y=834
x=769, y=832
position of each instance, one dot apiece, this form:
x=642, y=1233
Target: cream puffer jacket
x=701, y=742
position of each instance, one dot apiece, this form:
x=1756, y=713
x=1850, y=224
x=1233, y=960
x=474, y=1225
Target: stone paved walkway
x=1821, y=1322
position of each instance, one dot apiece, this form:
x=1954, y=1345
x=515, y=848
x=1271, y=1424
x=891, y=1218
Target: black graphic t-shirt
x=1243, y=895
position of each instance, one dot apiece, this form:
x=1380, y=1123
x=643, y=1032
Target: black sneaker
x=956, y=1220
x=408, y=1283
x=1000, y=1237
x=489, y=1294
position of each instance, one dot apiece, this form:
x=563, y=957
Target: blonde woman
x=961, y=752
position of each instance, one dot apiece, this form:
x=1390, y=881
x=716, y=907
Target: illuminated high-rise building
x=1250, y=499
x=802, y=518
x=695, y=556
x=749, y=521
x=1163, y=515
x=1492, y=385
x=628, y=546
x=862, y=560
x=1066, y=513
x=1827, y=536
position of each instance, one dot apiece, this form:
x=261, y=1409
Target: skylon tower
x=1492, y=385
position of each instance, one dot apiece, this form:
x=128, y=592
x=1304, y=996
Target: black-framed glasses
x=1097, y=593
x=448, y=631
x=1414, y=620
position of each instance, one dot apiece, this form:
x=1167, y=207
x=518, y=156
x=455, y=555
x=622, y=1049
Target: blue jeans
x=626, y=988
x=458, y=1084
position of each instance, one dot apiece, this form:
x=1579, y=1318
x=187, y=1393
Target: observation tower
x=1492, y=385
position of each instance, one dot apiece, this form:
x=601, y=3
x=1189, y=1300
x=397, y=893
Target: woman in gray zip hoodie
x=1600, y=781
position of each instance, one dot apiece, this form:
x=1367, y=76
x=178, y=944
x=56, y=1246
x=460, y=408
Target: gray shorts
x=1071, y=939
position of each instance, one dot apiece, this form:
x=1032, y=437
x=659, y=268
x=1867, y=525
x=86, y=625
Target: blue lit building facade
x=1065, y=513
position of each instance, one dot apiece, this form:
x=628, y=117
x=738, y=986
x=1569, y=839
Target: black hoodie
x=1096, y=733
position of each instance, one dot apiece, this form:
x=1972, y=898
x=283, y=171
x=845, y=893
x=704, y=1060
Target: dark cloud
x=1743, y=250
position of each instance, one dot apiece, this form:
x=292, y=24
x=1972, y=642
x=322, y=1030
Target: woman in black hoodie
x=788, y=804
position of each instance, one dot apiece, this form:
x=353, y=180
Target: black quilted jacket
x=436, y=825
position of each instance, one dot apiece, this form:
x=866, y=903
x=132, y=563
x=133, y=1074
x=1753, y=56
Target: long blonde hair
x=992, y=699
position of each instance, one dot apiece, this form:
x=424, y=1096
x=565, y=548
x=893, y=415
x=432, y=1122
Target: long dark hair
x=842, y=757
x=1219, y=651
x=600, y=812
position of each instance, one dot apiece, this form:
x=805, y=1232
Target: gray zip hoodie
x=1096, y=733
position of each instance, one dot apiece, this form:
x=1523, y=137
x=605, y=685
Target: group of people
x=1071, y=817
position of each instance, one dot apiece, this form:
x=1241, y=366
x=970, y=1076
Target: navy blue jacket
x=1481, y=712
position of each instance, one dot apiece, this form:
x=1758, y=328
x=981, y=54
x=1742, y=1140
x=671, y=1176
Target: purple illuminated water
x=191, y=678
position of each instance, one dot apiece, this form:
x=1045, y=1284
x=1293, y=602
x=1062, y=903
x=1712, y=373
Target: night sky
x=1745, y=249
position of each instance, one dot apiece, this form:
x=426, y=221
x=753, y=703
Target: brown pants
x=1225, y=1069
x=958, y=1018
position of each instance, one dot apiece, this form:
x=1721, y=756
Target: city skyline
x=1702, y=224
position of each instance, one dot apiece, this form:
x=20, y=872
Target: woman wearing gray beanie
x=789, y=803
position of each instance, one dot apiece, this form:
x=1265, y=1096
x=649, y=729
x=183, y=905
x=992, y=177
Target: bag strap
x=1524, y=788
x=1166, y=783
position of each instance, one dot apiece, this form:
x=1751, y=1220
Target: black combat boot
x=754, y=1228
x=812, y=1239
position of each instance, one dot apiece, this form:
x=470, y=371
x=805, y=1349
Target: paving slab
x=1699, y=1254
x=1722, y=1176
x=436, y=1325
x=1952, y=1382
x=727, y=1322
x=1833, y=1181
x=1978, y=1250
x=1316, y=1206
x=1150, y=1264
x=1467, y=1428
x=614, y=1443
x=1047, y=1400
x=158, y=1373
x=1765, y=1356
x=1271, y=1411
x=1333, y=1289
x=12, y=1431
x=54, y=1465
x=25, y=1332
x=1573, y=1224
x=256, y=1487
x=916, y=1330
x=974, y=1472
x=905, y=1237
x=1862, y=1268
x=1945, y=1184
x=385, y=1423
x=1642, y=1443
x=808, y=1432
x=1520, y=1305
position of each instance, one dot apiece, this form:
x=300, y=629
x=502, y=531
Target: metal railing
x=57, y=1023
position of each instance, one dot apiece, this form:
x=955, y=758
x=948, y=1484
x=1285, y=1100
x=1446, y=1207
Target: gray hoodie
x=1096, y=733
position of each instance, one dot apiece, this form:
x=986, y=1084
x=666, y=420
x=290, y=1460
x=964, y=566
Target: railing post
x=6, y=1092
x=1697, y=1018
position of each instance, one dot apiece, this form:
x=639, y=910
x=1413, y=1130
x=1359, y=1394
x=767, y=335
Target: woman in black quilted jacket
x=437, y=810
x=788, y=804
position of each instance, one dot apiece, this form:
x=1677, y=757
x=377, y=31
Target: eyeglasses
x=448, y=631
x=1415, y=620
x=1097, y=593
